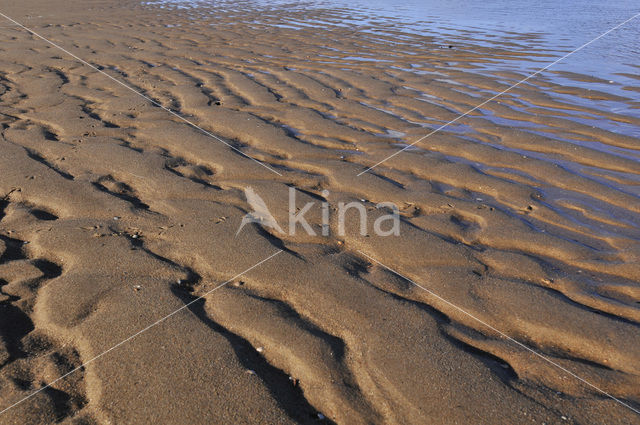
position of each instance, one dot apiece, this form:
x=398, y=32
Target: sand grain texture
x=114, y=213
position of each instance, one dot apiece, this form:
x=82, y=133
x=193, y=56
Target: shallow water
x=466, y=54
x=550, y=25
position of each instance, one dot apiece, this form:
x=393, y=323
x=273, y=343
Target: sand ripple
x=525, y=213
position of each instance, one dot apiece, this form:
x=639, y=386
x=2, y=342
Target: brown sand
x=530, y=225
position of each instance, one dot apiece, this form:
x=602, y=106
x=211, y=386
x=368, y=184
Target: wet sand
x=114, y=213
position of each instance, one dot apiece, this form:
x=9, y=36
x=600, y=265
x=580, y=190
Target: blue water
x=552, y=27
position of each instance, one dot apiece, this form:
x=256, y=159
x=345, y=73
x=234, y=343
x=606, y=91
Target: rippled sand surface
x=522, y=217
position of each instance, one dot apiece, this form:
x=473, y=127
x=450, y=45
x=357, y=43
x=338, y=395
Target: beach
x=175, y=246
